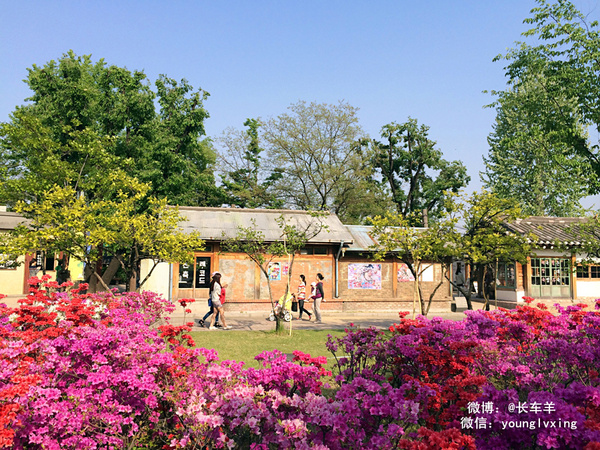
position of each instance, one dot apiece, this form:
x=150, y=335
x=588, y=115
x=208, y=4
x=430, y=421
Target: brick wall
x=248, y=288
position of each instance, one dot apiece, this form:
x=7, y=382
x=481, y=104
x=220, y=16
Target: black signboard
x=202, y=272
x=186, y=276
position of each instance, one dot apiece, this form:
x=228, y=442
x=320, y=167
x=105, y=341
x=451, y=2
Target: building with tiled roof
x=554, y=271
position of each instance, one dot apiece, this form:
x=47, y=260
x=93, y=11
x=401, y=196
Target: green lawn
x=245, y=345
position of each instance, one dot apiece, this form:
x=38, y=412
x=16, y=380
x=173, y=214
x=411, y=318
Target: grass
x=245, y=345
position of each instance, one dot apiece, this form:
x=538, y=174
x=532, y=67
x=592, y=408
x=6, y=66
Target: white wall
x=588, y=288
x=159, y=280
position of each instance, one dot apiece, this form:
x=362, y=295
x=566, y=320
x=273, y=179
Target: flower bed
x=96, y=371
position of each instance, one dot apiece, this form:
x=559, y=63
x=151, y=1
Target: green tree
x=246, y=183
x=295, y=233
x=565, y=51
x=529, y=159
x=93, y=131
x=396, y=236
x=485, y=239
x=414, y=170
x=89, y=230
x=76, y=101
x=322, y=167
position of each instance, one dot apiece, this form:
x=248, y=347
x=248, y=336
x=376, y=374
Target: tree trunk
x=110, y=271
x=470, y=278
x=102, y=283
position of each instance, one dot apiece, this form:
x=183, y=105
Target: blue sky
x=429, y=59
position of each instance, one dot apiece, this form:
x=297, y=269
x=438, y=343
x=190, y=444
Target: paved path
x=256, y=321
x=331, y=320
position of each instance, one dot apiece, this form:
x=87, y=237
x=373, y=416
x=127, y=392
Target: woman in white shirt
x=215, y=296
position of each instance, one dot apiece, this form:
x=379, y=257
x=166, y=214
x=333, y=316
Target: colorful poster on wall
x=285, y=269
x=404, y=273
x=274, y=271
x=364, y=276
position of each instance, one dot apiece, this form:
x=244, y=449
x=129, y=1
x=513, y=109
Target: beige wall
x=159, y=280
x=11, y=280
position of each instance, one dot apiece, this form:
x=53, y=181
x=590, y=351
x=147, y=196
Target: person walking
x=222, y=299
x=210, y=305
x=215, y=296
x=319, y=296
x=301, y=297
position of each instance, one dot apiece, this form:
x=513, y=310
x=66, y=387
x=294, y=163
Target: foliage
x=322, y=167
x=486, y=239
x=564, y=52
x=89, y=370
x=244, y=181
x=296, y=230
x=586, y=234
x=394, y=235
x=87, y=230
x=417, y=176
x=474, y=370
x=92, y=138
x=84, y=117
x=529, y=159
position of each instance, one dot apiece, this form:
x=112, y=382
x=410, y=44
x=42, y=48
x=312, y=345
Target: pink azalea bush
x=523, y=378
x=103, y=371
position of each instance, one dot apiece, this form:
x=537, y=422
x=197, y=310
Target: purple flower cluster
x=96, y=371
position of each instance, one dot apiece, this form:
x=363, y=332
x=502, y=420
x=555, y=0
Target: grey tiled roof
x=549, y=230
x=211, y=223
x=9, y=220
x=361, y=237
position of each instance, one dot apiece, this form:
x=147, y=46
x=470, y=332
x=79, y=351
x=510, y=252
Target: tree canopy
x=564, y=53
x=92, y=163
x=84, y=118
x=246, y=182
x=417, y=176
x=529, y=158
x=316, y=148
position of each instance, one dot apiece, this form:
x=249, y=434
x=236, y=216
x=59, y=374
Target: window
x=314, y=251
x=588, y=271
x=550, y=272
x=506, y=275
x=186, y=276
x=49, y=262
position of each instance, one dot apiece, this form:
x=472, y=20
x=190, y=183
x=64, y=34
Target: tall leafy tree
x=75, y=100
x=417, y=176
x=529, y=160
x=322, y=167
x=564, y=48
x=485, y=239
x=246, y=182
x=93, y=131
